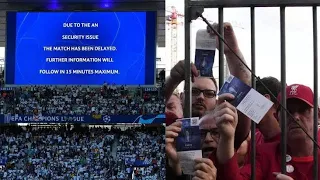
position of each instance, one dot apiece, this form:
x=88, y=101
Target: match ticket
x=188, y=144
x=205, y=52
x=247, y=100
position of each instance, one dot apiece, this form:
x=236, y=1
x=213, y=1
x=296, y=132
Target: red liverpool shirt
x=268, y=160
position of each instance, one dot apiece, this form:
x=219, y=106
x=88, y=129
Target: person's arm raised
x=177, y=75
x=237, y=69
x=227, y=119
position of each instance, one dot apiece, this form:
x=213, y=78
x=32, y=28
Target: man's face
x=174, y=106
x=209, y=135
x=303, y=114
x=203, y=96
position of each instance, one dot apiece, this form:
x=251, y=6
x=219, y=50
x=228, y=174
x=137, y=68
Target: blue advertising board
x=94, y=119
x=133, y=161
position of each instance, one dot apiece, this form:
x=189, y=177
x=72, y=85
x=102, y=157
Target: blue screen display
x=80, y=48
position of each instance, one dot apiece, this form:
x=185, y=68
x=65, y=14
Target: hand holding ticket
x=188, y=144
x=205, y=169
x=205, y=52
x=247, y=100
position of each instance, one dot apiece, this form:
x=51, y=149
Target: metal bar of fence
x=253, y=82
x=221, y=47
x=283, y=90
x=315, y=89
x=187, y=89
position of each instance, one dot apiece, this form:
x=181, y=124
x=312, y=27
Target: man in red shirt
x=268, y=128
x=268, y=160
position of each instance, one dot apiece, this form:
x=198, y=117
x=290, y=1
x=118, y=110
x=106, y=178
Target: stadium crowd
x=78, y=153
x=80, y=100
x=225, y=132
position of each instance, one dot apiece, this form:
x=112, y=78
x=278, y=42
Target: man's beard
x=196, y=113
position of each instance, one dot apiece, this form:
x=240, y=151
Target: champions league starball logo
x=106, y=119
x=36, y=118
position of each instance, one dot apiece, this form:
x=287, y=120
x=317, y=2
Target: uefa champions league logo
x=106, y=119
x=187, y=134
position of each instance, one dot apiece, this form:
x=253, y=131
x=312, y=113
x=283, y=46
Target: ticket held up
x=188, y=144
x=205, y=52
x=247, y=100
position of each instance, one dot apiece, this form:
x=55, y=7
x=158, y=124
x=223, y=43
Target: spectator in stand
x=83, y=101
x=6, y=97
x=81, y=153
x=137, y=144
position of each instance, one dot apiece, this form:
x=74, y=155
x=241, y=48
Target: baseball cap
x=299, y=91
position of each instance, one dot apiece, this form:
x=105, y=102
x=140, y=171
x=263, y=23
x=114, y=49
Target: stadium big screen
x=80, y=48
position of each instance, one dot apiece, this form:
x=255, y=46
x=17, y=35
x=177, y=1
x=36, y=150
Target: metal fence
x=192, y=5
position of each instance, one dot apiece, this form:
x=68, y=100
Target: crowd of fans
x=150, y=146
x=79, y=100
x=81, y=152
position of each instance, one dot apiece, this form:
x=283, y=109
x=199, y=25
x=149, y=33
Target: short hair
x=273, y=84
x=213, y=80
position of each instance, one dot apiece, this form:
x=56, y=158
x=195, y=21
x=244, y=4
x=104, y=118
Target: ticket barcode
x=229, y=79
x=194, y=121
